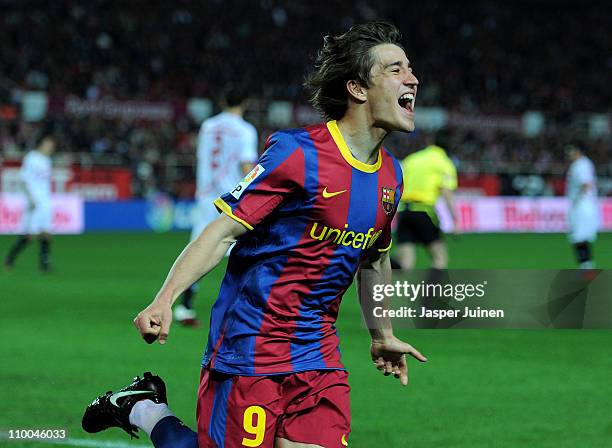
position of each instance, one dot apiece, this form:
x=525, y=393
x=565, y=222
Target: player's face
x=573, y=154
x=47, y=146
x=392, y=91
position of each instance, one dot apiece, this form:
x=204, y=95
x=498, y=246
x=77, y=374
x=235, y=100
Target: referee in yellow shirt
x=428, y=173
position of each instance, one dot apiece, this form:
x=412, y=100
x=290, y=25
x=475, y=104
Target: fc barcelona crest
x=387, y=200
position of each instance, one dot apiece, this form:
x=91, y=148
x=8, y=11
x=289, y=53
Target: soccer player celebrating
x=35, y=176
x=227, y=150
x=583, y=216
x=315, y=210
x=428, y=174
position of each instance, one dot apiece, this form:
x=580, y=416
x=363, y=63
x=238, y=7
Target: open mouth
x=406, y=101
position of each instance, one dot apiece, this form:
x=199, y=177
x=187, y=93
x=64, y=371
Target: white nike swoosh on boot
x=127, y=393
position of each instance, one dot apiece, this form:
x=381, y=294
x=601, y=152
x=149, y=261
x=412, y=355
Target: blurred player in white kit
x=35, y=175
x=227, y=151
x=583, y=216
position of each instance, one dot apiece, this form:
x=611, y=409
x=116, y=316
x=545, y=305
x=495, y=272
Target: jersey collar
x=332, y=126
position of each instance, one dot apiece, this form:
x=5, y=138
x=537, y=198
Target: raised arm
x=262, y=190
x=197, y=259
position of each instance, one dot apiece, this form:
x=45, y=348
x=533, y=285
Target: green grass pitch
x=67, y=336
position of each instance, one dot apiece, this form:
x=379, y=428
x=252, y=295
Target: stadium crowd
x=469, y=55
x=477, y=57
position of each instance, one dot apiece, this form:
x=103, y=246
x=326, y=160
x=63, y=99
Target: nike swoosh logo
x=344, y=442
x=127, y=393
x=328, y=195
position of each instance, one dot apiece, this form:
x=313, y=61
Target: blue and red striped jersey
x=312, y=211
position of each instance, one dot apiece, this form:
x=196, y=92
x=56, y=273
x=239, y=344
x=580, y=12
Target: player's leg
x=583, y=232
x=584, y=255
x=141, y=405
x=317, y=413
x=406, y=253
x=29, y=228
x=170, y=432
x=431, y=237
x=41, y=223
x=236, y=411
x=438, y=253
x=184, y=313
x=406, y=241
x=162, y=426
x=20, y=244
x=38, y=222
x=44, y=241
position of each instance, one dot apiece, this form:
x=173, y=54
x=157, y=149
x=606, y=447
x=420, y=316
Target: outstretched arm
x=388, y=352
x=197, y=259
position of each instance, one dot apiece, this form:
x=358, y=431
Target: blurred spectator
x=478, y=57
x=494, y=57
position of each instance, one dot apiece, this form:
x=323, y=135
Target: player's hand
x=389, y=356
x=31, y=204
x=154, y=322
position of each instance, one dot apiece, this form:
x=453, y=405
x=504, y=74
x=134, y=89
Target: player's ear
x=357, y=91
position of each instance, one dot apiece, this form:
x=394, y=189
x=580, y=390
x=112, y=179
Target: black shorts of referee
x=415, y=225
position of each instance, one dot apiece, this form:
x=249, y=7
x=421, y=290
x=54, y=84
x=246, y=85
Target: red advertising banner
x=101, y=184
x=518, y=214
x=67, y=209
